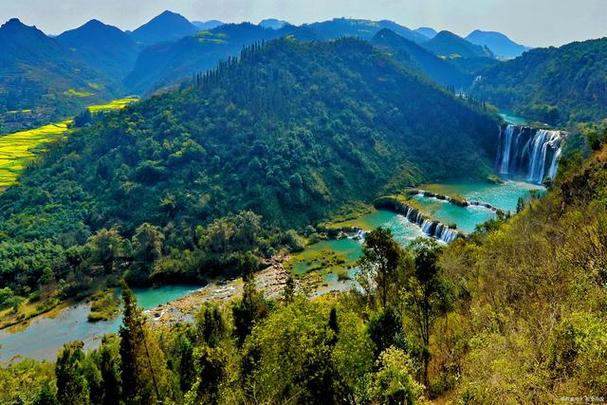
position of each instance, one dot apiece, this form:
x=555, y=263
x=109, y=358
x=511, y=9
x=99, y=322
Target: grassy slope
x=530, y=324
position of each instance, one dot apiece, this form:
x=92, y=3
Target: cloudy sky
x=532, y=22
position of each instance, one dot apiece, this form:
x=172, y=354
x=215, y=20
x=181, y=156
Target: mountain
x=365, y=29
x=448, y=45
x=101, y=45
x=291, y=131
x=41, y=81
x=501, y=46
x=273, y=23
x=166, y=27
x=207, y=25
x=169, y=63
x=412, y=54
x=427, y=32
x=553, y=85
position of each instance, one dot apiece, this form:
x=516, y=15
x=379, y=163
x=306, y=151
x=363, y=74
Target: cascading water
x=429, y=227
x=529, y=153
x=507, y=144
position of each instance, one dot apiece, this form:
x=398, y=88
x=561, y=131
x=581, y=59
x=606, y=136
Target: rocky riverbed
x=271, y=282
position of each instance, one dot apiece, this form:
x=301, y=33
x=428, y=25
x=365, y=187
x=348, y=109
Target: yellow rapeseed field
x=19, y=149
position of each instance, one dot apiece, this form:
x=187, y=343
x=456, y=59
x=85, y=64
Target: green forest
x=250, y=171
x=558, y=86
x=290, y=132
x=508, y=316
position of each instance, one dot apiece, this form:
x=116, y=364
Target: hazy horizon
x=541, y=23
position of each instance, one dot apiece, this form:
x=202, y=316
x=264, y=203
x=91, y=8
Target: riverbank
x=271, y=282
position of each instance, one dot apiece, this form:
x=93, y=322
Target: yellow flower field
x=19, y=149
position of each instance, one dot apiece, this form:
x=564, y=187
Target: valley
x=338, y=210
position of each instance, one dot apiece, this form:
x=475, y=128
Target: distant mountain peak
x=450, y=45
x=502, y=46
x=207, y=25
x=165, y=27
x=273, y=23
x=427, y=32
x=15, y=24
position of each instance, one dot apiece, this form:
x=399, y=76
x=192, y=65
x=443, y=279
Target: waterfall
x=532, y=154
x=505, y=165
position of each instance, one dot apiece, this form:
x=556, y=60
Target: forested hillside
x=450, y=46
x=40, y=81
x=170, y=63
x=531, y=296
x=291, y=132
x=553, y=85
x=515, y=314
x=415, y=56
x=97, y=44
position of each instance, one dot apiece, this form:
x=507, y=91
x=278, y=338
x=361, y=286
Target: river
x=44, y=336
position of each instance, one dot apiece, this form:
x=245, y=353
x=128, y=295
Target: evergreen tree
x=110, y=372
x=249, y=310
x=72, y=387
x=139, y=385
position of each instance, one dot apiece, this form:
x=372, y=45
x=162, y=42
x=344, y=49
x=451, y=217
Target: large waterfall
x=530, y=153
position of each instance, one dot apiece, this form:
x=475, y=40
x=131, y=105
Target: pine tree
x=139, y=383
x=72, y=387
x=110, y=373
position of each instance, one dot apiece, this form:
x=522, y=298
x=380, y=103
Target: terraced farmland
x=19, y=149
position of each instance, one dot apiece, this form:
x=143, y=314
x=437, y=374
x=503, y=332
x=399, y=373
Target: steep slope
x=448, y=45
x=411, y=54
x=531, y=312
x=553, y=85
x=291, y=132
x=165, y=27
x=501, y=46
x=427, y=32
x=101, y=45
x=166, y=64
x=41, y=81
x=365, y=29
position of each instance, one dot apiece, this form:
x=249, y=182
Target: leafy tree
x=143, y=367
x=385, y=329
x=251, y=309
x=427, y=295
x=210, y=326
x=109, y=365
x=393, y=383
x=72, y=386
x=380, y=262
x=211, y=368
x=105, y=247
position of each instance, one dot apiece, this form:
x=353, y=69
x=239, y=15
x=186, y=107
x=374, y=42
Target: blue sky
x=532, y=22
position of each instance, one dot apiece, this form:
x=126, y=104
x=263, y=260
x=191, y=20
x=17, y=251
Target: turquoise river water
x=45, y=336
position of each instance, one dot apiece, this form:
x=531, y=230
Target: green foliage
x=380, y=263
x=72, y=385
x=251, y=309
x=553, y=85
x=394, y=383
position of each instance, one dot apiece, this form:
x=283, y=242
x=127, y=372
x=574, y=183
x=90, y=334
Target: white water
x=535, y=159
x=505, y=166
